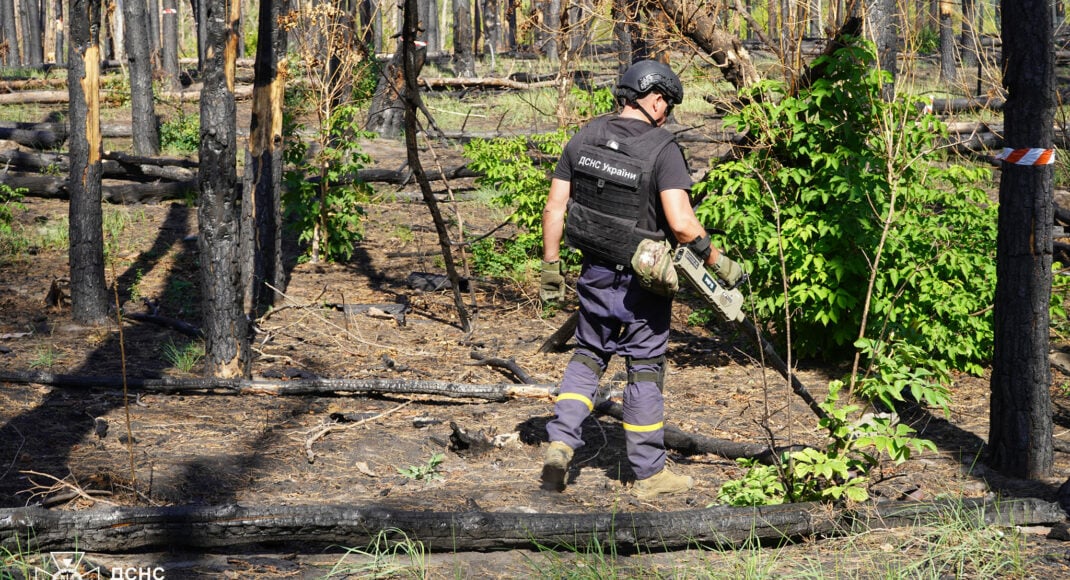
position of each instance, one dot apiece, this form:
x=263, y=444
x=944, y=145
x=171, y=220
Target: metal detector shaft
x=728, y=304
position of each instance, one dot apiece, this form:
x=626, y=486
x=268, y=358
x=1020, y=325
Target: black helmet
x=650, y=75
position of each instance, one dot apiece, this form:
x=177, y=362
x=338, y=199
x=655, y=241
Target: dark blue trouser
x=617, y=316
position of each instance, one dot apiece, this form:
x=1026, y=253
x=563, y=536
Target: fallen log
x=483, y=83
x=116, y=165
x=313, y=527
x=694, y=444
x=32, y=136
x=306, y=386
x=192, y=94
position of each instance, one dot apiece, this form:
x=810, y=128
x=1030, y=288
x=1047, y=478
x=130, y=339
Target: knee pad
x=657, y=377
x=590, y=362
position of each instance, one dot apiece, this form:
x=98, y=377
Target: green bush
x=323, y=196
x=10, y=201
x=181, y=132
x=827, y=168
x=518, y=171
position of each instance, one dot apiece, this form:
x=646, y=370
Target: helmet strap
x=643, y=110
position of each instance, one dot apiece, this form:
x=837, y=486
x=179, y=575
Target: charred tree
x=139, y=53
x=225, y=326
x=169, y=44
x=510, y=23
x=89, y=299
x=1020, y=426
x=970, y=42
x=60, y=34
x=701, y=27
x=32, y=32
x=882, y=29
x=371, y=24
x=313, y=527
x=429, y=24
x=262, y=190
x=492, y=29
x=9, y=45
x=464, y=60
x=386, y=115
x=411, y=62
x=947, y=42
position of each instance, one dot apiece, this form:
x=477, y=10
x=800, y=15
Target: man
x=621, y=179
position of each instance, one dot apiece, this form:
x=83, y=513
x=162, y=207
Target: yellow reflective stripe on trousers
x=644, y=428
x=576, y=397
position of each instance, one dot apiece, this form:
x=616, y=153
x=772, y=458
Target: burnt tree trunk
x=510, y=23
x=1020, y=426
x=9, y=45
x=947, y=42
x=429, y=24
x=411, y=63
x=881, y=27
x=262, y=190
x=169, y=44
x=371, y=24
x=139, y=53
x=312, y=527
x=386, y=115
x=492, y=29
x=60, y=34
x=968, y=36
x=225, y=326
x=463, y=59
x=726, y=49
x=89, y=299
x=32, y=31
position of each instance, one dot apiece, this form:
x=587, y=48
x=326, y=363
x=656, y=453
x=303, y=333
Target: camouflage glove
x=728, y=271
x=552, y=286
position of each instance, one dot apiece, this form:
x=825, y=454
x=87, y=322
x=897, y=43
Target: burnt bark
x=169, y=44
x=371, y=23
x=9, y=46
x=411, y=62
x=313, y=527
x=882, y=28
x=386, y=115
x=726, y=49
x=968, y=37
x=492, y=29
x=1020, y=427
x=89, y=300
x=32, y=32
x=262, y=191
x=290, y=387
x=146, y=134
x=947, y=43
x=226, y=329
x=60, y=34
x=463, y=58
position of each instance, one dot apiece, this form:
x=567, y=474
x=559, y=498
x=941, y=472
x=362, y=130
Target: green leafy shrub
x=827, y=168
x=840, y=471
x=517, y=170
x=593, y=103
x=181, y=132
x=323, y=196
x=11, y=242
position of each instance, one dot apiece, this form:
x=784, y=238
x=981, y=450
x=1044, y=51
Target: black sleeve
x=670, y=171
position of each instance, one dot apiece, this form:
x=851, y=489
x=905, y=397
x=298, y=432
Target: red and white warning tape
x=1032, y=156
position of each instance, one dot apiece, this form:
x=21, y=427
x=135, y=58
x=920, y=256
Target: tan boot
x=555, y=466
x=662, y=482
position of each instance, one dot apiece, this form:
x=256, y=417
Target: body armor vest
x=613, y=199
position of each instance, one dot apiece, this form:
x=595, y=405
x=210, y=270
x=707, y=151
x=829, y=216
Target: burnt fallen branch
x=694, y=444
x=509, y=366
x=312, y=527
x=304, y=386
